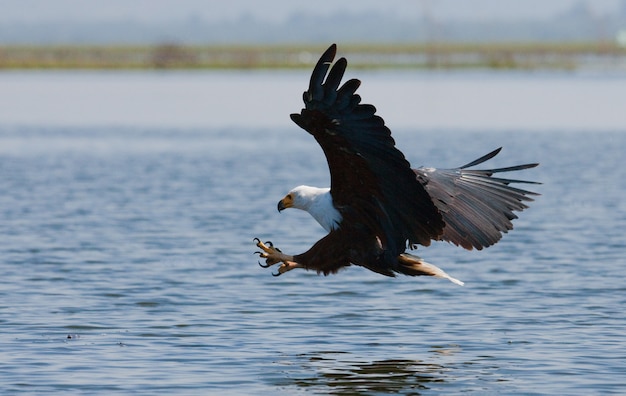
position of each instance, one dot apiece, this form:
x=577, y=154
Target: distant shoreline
x=531, y=56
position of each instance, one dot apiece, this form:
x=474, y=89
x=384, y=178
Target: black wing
x=372, y=183
x=476, y=207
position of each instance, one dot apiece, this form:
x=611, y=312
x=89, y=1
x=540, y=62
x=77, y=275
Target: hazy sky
x=34, y=11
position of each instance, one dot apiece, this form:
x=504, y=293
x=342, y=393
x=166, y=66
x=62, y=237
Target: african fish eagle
x=377, y=206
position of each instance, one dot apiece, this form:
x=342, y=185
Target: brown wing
x=476, y=207
x=372, y=184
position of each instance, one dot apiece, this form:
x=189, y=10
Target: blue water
x=127, y=266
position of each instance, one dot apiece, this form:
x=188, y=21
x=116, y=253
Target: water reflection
x=336, y=374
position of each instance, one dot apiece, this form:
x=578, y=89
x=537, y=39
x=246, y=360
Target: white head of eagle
x=316, y=201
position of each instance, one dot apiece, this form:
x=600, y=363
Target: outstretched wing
x=371, y=181
x=476, y=207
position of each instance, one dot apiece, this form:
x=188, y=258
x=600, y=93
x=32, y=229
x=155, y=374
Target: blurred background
x=486, y=36
x=241, y=33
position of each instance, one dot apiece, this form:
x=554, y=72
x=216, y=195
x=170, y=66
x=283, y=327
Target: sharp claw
x=268, y=252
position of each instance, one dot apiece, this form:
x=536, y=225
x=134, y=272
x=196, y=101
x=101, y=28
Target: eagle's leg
x=273, y=256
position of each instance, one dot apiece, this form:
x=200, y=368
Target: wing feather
x=316, y=91
x=384, y=203
x=370, y=178
x=346, y=97
x=476, y=207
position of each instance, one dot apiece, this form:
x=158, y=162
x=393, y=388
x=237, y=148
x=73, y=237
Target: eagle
x=377, y=206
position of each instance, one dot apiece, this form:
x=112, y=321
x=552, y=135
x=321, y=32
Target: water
x=126, y=267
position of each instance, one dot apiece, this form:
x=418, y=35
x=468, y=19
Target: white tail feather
x=420, y=267
x=439, y=273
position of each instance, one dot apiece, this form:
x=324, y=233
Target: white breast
x=318, y=203
x=324, y=212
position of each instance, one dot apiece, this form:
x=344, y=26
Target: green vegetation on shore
x=421, y=55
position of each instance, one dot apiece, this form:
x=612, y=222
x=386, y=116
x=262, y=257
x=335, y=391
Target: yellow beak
x=285, y=203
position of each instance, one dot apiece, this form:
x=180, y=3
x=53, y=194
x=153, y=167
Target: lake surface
x=127, y=266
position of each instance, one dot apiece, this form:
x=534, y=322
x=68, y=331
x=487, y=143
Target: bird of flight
x=377, y=206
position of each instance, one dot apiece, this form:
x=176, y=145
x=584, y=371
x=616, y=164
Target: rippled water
x=126, y=267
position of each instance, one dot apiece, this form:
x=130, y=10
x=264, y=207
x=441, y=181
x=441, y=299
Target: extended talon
x=267, y=247
x=273, y=255
x=263, y=246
